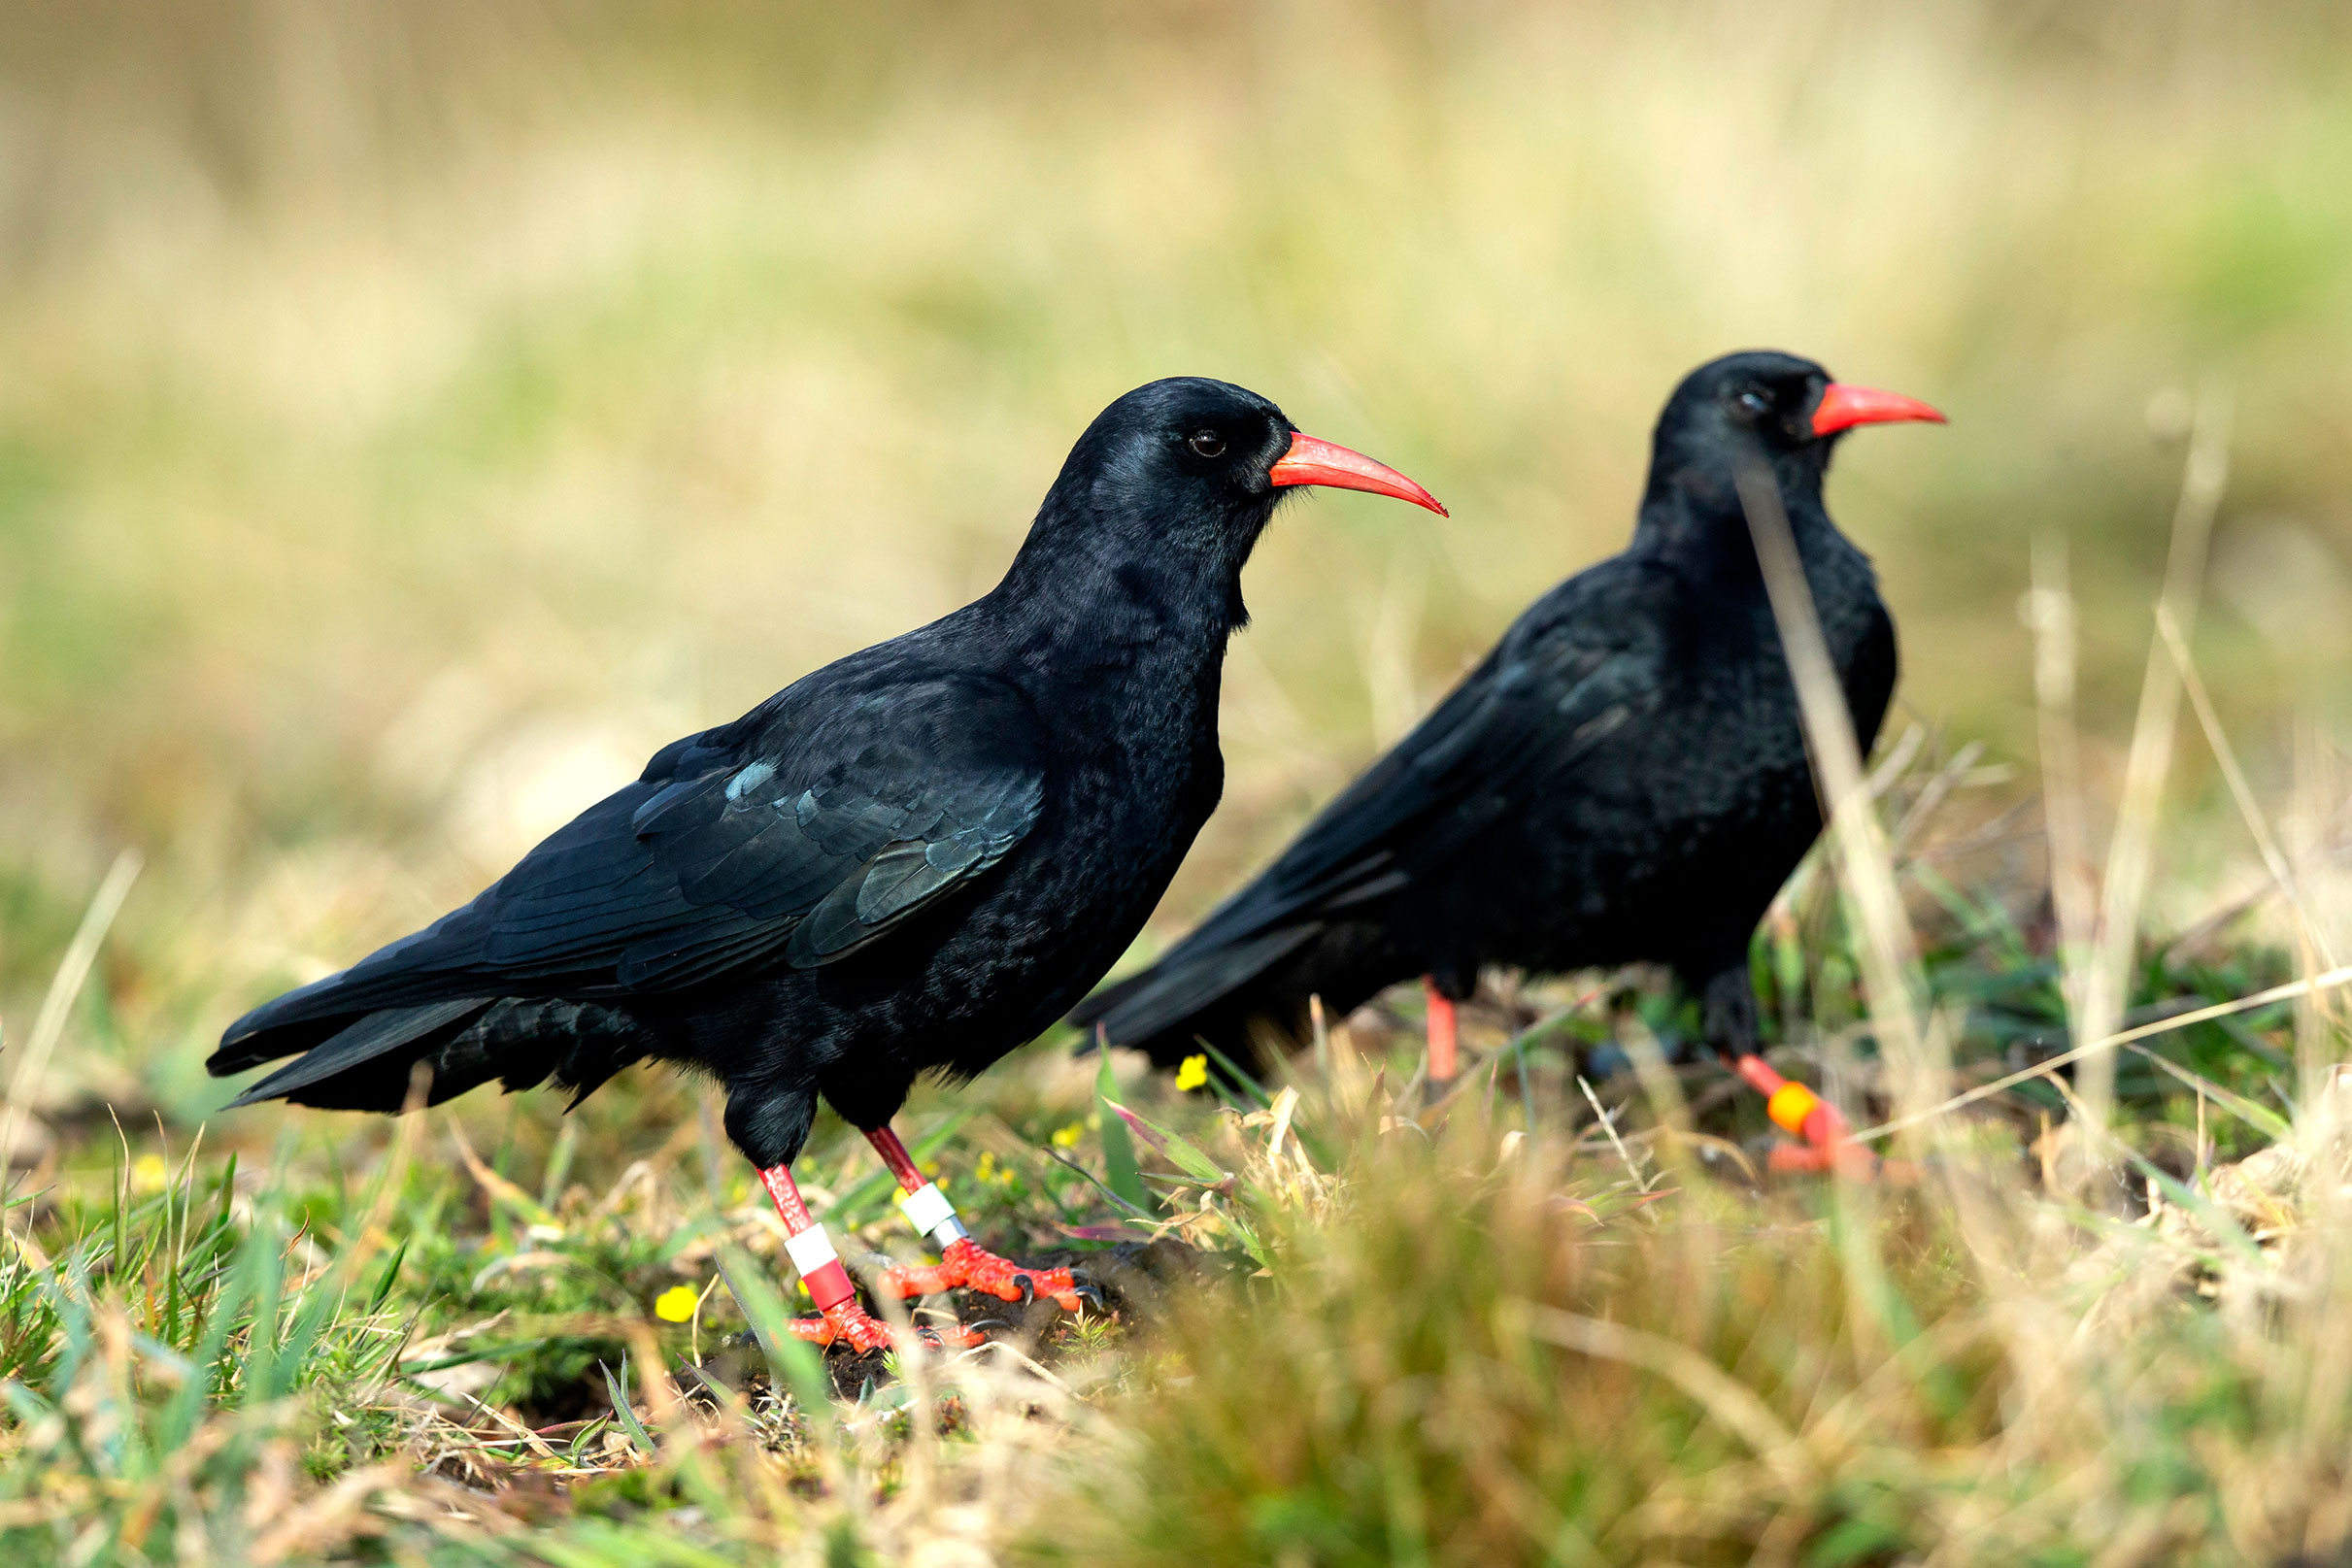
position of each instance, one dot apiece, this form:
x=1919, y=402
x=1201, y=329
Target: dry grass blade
x=1726, y=1398
x=72, y=970
x=1933, y=795
x=326, y=1519
x=2290, y=991
x=1608, y=1125
x=2049, y=610
x=1888, y=950
x=2266, y=843
x=2130, y=853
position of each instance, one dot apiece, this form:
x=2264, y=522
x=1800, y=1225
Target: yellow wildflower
x=1192, y=1072
x=148, y=1173
x=677, y=1304
x=986, y=1170
x=1067, y=1137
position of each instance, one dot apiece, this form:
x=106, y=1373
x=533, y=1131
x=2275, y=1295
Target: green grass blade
x=389, y=1277
x=178, y=1419
x=792, y=1360
x=1096, y=1181
x=2265, y=1120
x=618, y=1389
x=1188, y=1156
x=1240, y=1076
x=1120, y=1174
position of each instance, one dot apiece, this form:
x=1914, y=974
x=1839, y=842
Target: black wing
x=798, y=835
x=1573, y=671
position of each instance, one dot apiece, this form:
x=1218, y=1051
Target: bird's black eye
x=1207, y=443
x=1756, y=400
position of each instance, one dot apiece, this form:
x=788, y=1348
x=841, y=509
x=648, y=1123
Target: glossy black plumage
x=1623, y=779
x=914, y=858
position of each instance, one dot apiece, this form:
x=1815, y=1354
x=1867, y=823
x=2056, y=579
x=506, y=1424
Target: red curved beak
x=1844, y=407
x=1311, y=461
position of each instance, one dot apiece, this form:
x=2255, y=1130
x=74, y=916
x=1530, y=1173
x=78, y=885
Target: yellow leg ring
x=1790, y=1105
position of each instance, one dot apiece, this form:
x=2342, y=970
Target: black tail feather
x=524, y=1042
x=1244, y=997
x=365, y=1039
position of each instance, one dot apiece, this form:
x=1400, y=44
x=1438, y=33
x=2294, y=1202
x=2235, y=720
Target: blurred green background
x=410, y=416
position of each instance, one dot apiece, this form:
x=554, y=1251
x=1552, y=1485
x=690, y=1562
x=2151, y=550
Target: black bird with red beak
x=911, y=860
x=1623, y=779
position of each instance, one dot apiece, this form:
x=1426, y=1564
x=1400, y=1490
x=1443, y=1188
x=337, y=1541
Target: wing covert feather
x=1546, y=700
x=799, y=839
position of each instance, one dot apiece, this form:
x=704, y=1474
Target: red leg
x=885, y=1139
x=839, y=1314
x=962, y=1263
x=1444, y=1035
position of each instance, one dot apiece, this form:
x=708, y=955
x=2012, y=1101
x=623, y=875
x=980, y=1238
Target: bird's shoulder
x=1624, y=605
x=1572, y=671
x=915, y=697
x=1594, y=645
x=808, y=828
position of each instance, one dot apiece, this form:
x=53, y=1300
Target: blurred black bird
x=1623, y=779
x=915, y=859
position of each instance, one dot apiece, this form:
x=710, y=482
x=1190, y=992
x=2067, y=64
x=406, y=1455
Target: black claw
x=977, y=1324
x=1086, y=1291
x=1028, y=1288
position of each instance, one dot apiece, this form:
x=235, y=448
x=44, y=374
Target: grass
x=1562, y=1318
x=412, y=419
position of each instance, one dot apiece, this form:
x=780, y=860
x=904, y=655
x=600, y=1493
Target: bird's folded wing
x=810, y=843
x=1543, y=703
x=793, y=838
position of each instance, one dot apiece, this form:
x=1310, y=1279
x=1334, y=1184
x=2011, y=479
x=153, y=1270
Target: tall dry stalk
x=64, y=986
x=2294, y=990
x=2130, y=854
x=1888, y=950
x=2049, y=611
x=1915, y=1057
x=2315, y=950
x=2319, y=794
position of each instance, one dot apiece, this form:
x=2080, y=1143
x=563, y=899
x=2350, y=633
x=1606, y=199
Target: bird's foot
x=849, y=1323
x=966, y=1265
x=1846, y=1159
x=1850, y=1160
